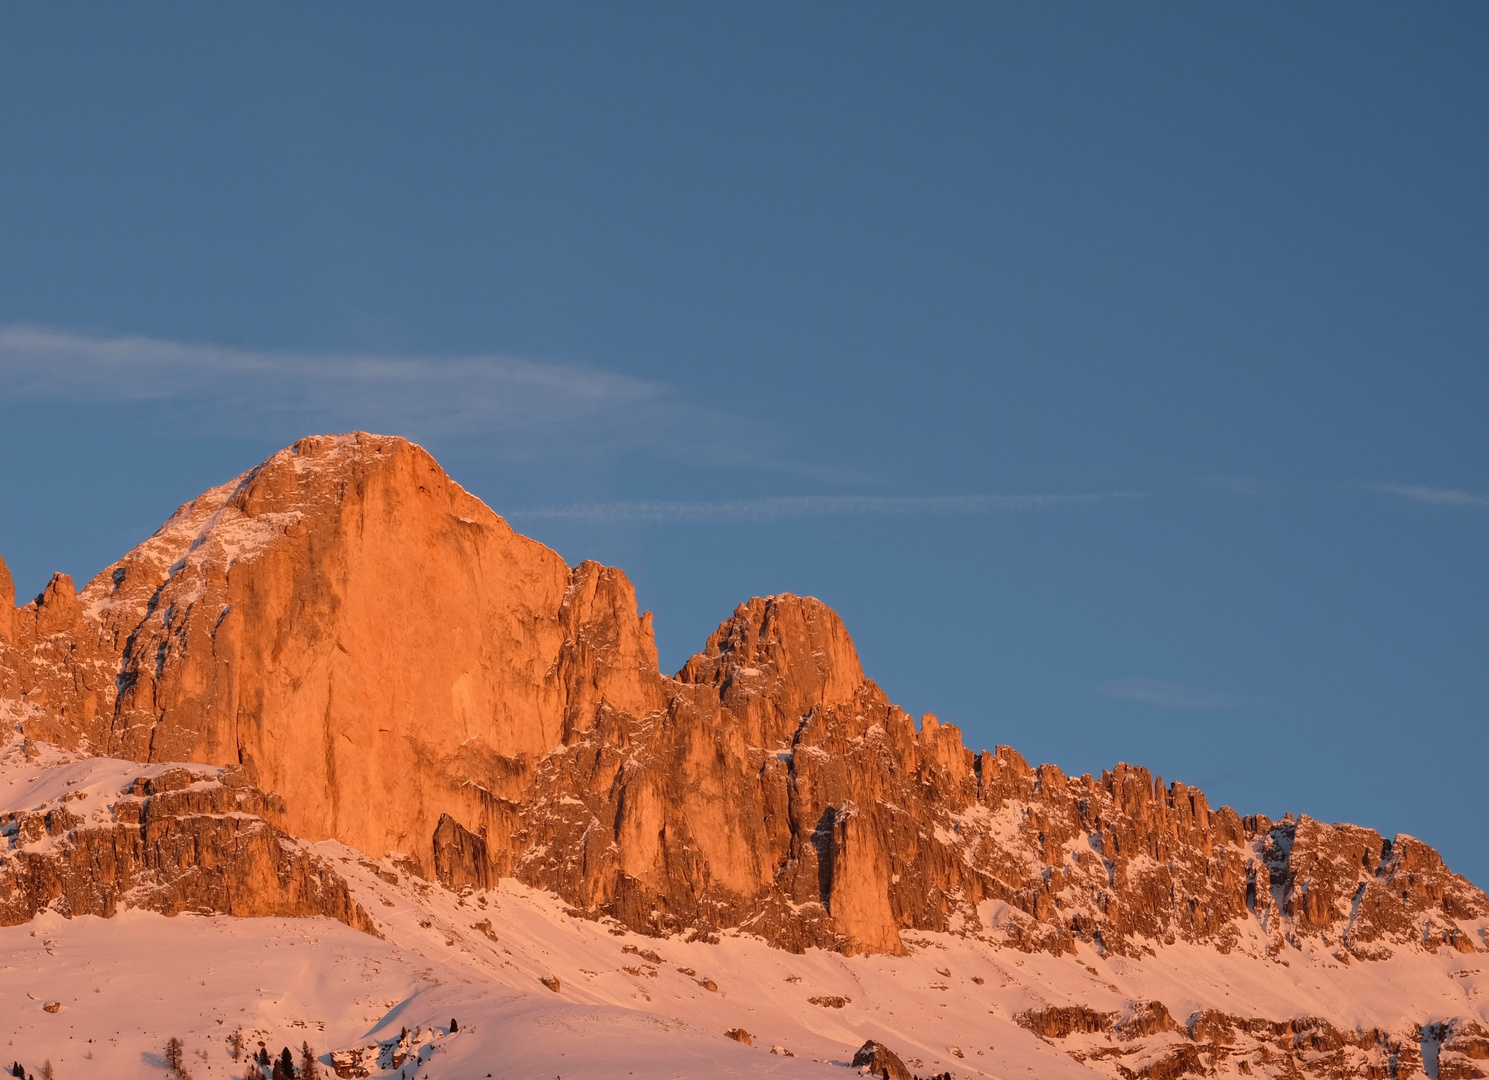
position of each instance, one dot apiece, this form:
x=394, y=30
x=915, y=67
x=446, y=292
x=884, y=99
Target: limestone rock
x=7, y=604
x=460, y=857
x=1463, y=1050
x=859, y=896
x=774, y=661
x=1059, y=1022
x=180, y=841
x=56, y=610
x=364, y=639
x=1151, y=1046
x=881, y=1061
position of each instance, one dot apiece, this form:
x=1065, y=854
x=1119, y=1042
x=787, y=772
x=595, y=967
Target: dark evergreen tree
x=309, y=1070
x=454, y=1027
x=174, y=1053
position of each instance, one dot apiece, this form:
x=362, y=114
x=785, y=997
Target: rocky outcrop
x=1148, y=1045
x=1462, y=1049
x=1059, y=1022
x=386, y=1055
x=880, y=1061
x=181, y=840
x=358, y=635
x=461, y=860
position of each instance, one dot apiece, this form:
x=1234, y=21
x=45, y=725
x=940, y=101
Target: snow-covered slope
x=627, y=1004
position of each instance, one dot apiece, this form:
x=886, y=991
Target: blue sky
x=1117, y=372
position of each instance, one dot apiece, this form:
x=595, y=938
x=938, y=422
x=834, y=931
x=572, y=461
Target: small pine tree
x=46, y=1070
x=235, y=1044
x=284, y=1066
x=263, y=1057
x=253, y=1072
x=454, y=1027
x=18, y=1072
x=309, y=1070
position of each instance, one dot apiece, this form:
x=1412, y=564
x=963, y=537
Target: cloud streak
x=520, y=407
x=1240, y=485
x=785, y=507
x=1166, y=695
x=1433, y=496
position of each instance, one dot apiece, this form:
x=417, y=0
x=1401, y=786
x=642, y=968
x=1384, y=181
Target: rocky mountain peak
x=775, y=660
x=397, y=669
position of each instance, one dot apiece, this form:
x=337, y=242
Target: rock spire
x=7, y=603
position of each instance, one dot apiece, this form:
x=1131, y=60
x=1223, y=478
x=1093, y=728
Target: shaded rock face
x=374, y=645
x=460, y=857
x=180, y=841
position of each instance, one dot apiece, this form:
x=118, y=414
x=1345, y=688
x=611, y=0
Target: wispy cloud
x=807, y=506
x=1241, y=485
x=1435, y=496
x=1167, y=695
x=521, y=407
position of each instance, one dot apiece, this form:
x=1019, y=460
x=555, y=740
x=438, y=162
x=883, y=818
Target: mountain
x=342, y=650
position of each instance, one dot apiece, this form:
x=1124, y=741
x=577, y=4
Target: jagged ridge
x=364, y=638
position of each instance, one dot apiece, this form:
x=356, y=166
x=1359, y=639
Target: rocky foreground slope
x=346, y=629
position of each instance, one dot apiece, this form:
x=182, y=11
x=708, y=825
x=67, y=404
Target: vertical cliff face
x=344, y=620
x=7, y=605
x=407, y=674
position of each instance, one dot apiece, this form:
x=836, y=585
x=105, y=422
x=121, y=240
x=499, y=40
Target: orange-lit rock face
x=7, y=604
x=346, y=622
x=180, y=841
x=381, y=651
